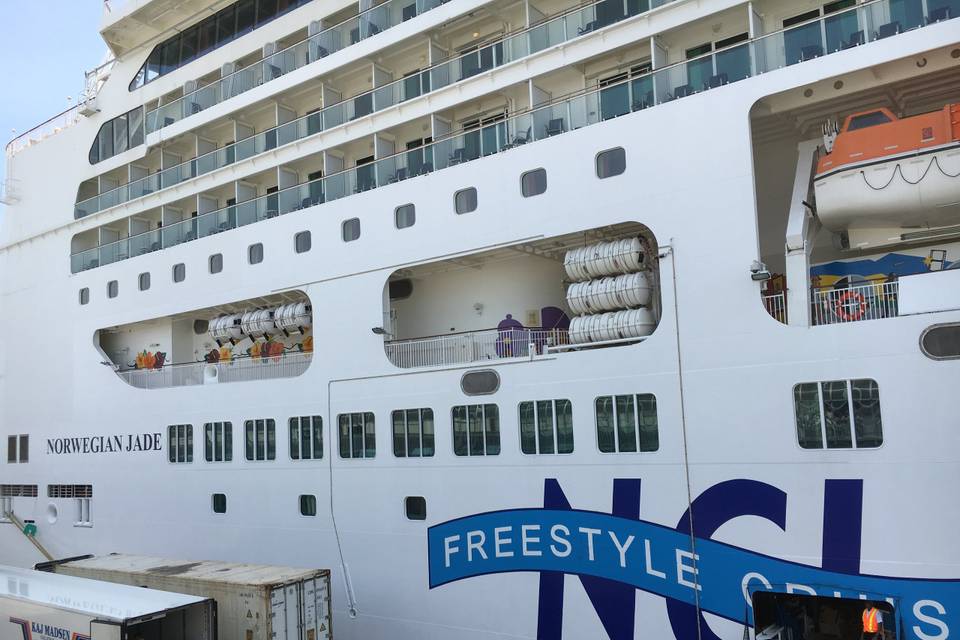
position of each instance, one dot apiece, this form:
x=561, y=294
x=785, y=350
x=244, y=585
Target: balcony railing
x=558, y=29
x=588, y=107
x=871, y=301
x=776, y=306
x=243, y=369
x=474, y=346
x=342, y=35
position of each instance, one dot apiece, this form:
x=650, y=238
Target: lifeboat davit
x=884, y=171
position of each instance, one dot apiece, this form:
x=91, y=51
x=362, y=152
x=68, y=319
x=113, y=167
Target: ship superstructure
x=528, y=319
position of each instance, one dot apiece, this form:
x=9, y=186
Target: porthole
x=200, y=327
x=465, y=200
x=533, y=183
x=611, y=162
x=350, y=229
x=84, y=295
x=941, y=341
x=404, y=216
x=215, y=263
x=255, y=253
x=480, y=383
x=112, y=289
x=144, y=281
x=416, y=507
x=179, y=272
x=219, y=503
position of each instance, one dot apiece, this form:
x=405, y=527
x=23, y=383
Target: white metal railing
x=870, y=301
x=776, y=306
x=238, y=370
x=474, y=346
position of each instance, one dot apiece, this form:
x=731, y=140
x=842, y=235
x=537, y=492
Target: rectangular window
x=308, y=505
x=180, y=443
x=357, y=435
x=144, y=281
x=404, y=216
x=465, y=200
x=218, y=441
x=413, y=433
x=350, y=229
x=219, y=503
x=611, y=162
x=216, y=263
x=306, y=438
x=18, y=449
x=476, y=430
x=533, y=183
x=838, y=414
x=113, y=288
x=179, y=272
x=226, y=24
x=255, y=253
x=246, y=15
x=546, y=426
x=18, y=491
x=85, y=295
x=302, y=242
x=261, y=439
x=626, y=424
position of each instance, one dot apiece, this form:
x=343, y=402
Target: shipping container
x=254, y=602
x=43, y=606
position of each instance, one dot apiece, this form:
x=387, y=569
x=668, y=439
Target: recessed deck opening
x=582, y=290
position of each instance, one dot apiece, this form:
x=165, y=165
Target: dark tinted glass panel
x=188, y=44
x=611, y=163
x=255, y=253
x=865, y=398
x=476, y=383
x=266, y=10
x=308, y=505
x=806, y=407
x=836, y=414
x=135, y=126
x=416, y=507
x=605, y=424
x=246, y=15
x=465, y=200
x=868, y=120
x=226, y=24
x=171, y=55
x=84, y=295
x=626, y=425
x=533, y=183
x=207, y=35
x=528, y=428
x=219, y=503
x=941, y=342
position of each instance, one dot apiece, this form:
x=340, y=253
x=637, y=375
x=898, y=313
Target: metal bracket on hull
x=802, y=228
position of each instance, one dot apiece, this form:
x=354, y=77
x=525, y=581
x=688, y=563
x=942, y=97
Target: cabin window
x=838, y=414
x=941, y=342
x=867, y=120
x=84, y=295
x=180, y=443
x=533, y=183
x=480, y=383
x=476, y=430
x=308, y=506
x=350, y=230
x=358, y=436
x=416, y=507
x=179, y=272
x=143, y=281
x=255, y=253
x=219, y=503
x=261, y=439
x=216, y=263
x=116, y=136
x=611, y=162
x=404, y=216
x=546, y=426
x=18, y=449
x=413, y=433
x=627, y=424
x=113, y=289
x=218, y=441
x=306, y=438
x=465, y=200
x=302, y=242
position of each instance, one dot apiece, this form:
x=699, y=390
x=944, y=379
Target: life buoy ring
x=843, y=309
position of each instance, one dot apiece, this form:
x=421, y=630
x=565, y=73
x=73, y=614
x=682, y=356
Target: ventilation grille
x=69, y=491
x=18, y=491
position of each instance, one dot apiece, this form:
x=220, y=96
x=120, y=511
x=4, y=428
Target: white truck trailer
x=35, y=605
x=254, y=602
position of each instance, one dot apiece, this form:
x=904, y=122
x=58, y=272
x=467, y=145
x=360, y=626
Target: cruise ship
x=549, y=319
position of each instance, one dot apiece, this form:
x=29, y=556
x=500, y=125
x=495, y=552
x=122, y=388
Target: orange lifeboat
x=880, y=171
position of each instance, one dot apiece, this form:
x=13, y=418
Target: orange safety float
x=847, y=312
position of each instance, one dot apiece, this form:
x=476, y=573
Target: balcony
x=872, y=301
x=556, y=30
x=761, y=55
x=349, y=32
x=776, y=306
x=240, y=369
x=473, y=346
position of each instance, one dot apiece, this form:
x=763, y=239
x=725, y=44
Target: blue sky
x=45, y=47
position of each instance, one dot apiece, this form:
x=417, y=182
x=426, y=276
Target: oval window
x=480, y=383
x=941, y=342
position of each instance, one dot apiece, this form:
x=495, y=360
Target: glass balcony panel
x=291, y=199
x=337, y=186
x=386, y=96
x=904, y=15
x=614, y=101
x=335, y=114
x=843, y=31
x=145, y=243
x=732, y=65
x=249, y=212
x=88, y=259
x=442, y=75
x=803, y=43
x=246, y=148
x=641, y=93
x=386, y=170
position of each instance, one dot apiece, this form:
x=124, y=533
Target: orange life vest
x=870, y=620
